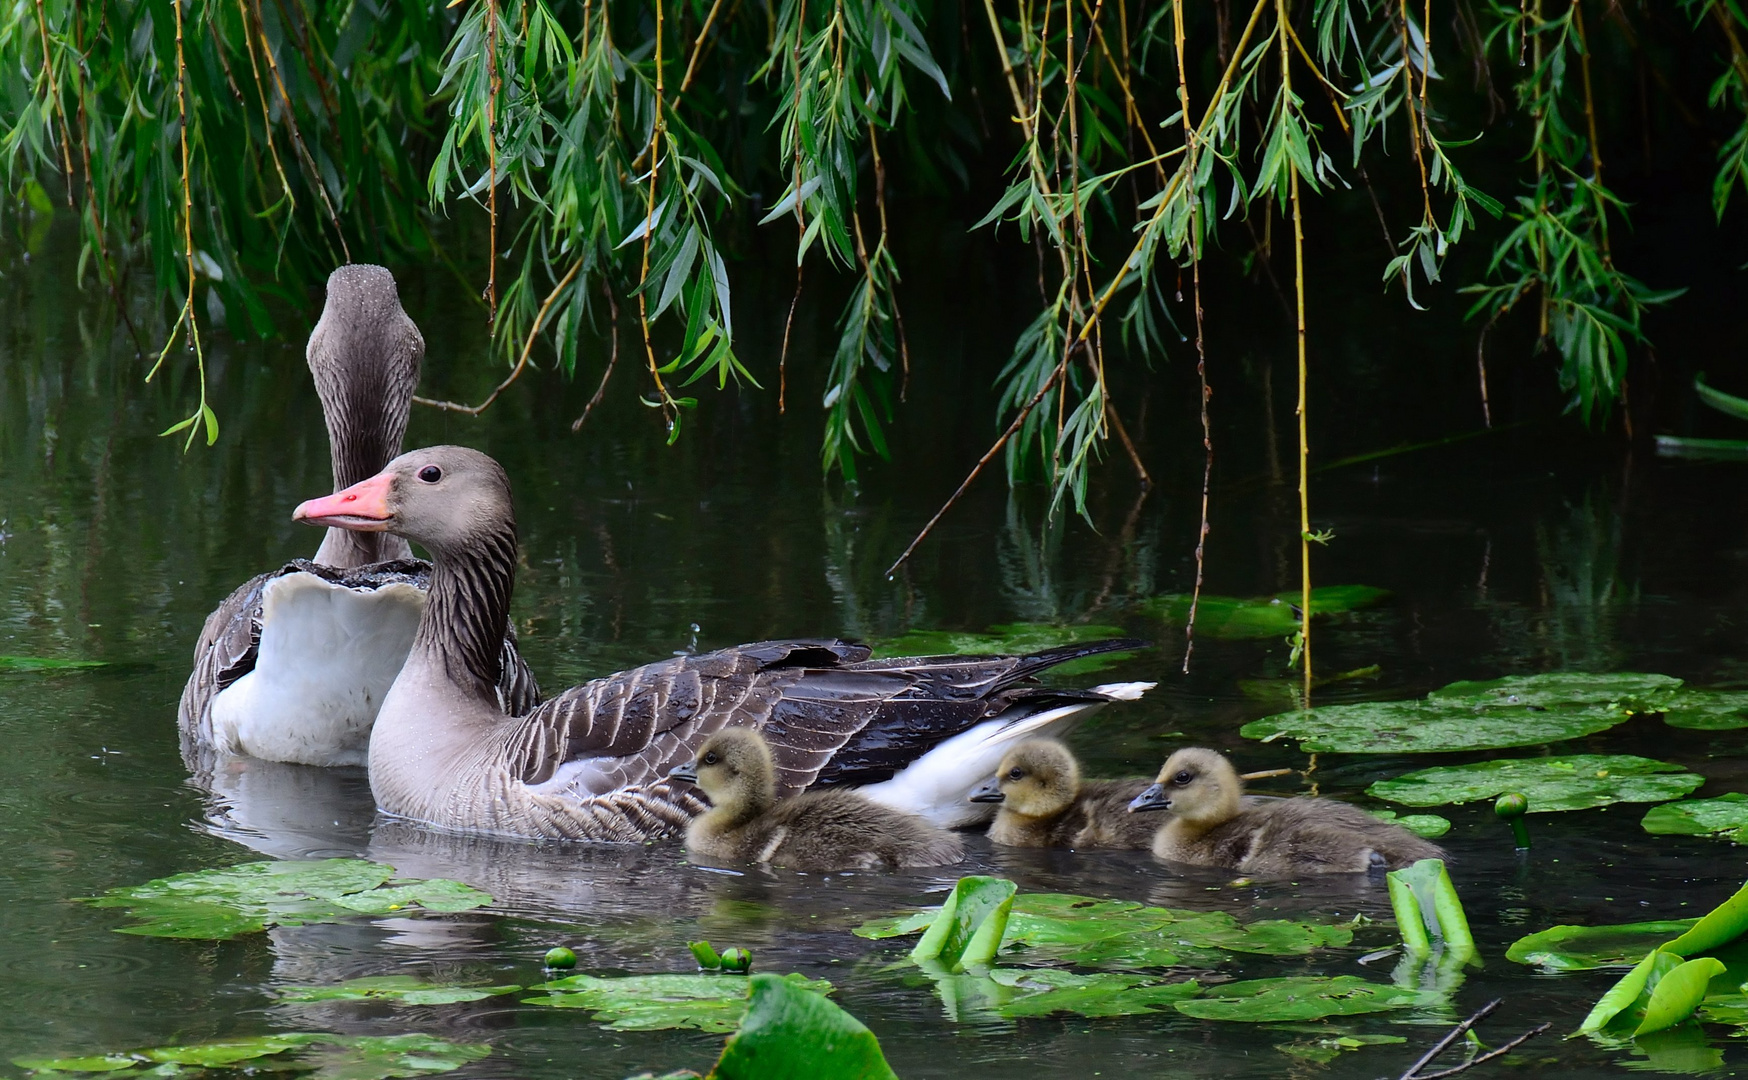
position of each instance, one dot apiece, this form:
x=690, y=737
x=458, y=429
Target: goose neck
x=467, y=611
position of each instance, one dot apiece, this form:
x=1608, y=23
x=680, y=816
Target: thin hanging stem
x=1183, y=94
x=1299, y=295
x=612, y=359
x=656, y=129
x=492, y=85
x=521, y=361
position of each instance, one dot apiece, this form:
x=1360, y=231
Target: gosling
x=816, y=830
x=1209, y=826
x=1045, y=803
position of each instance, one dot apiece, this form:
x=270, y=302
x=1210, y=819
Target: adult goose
x=592, y=763
x=294, y=664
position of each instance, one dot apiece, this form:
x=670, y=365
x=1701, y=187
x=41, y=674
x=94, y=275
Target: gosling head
x=733, y=769
x=1200, y=787
x=1038, y=779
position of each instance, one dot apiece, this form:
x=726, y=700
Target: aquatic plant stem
x=1304, y=443
x=521, y=361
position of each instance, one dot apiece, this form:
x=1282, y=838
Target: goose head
x=1200, y=787
x=449, y=499
x=365, y=355
x=1039, y=778
x=733, y=770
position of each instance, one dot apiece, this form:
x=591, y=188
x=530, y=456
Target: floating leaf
x=969, y=927
x=1678, y=994
x=1633, y=988
x=1582, y=948
x=1323, y=1051
x=44, y=663
x=1725, y=816
x=399, y=989
x=1431, y=826
x=1041, y=991
x=1298, y=998
x=1708, y=710
x=1627, y=691
x=1009, y=638
x=1421, y=727
x=1263, y=616
x=899, y=926
x=316, y=1054
x=1573, y=782
x=654, y=1002
x=223, y=903
x=791, y=1034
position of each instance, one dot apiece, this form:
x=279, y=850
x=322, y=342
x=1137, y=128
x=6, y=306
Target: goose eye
x=1016, y=774
x=1183, y=777
x=430, y=474
x=710, y=758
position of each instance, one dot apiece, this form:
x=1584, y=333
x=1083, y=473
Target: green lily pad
x=234, y=900
x=1042, y=991
x=791, y=1034
x=1263, y=616
x=897, y=926
x=45, y=663
x=1327, y=1049
x=655, y=1002
x=1708, y=710
x=1725, y=816
x=1011, y=638
x=1573, y=782
x=1298, y=998
x=1430, y=826
x=399, y=989
x=1627, y=691
x=316, y=1055
x=1583, y=948
x=1423, y=727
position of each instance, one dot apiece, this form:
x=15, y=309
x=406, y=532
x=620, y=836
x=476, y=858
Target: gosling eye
x=711, y=758
x=1016, y=774
x=1183, y=778
x=430, y=474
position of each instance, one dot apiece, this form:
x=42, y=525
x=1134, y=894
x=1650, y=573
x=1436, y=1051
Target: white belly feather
x=328, y=657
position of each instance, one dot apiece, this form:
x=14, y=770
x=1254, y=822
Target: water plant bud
x=1511, y=807
x=737, y=960
x=560, y=957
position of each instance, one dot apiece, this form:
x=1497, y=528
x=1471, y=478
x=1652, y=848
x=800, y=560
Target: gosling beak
x=1154, y=798
x=687, y=772
x=988, y=791
x=363, y=507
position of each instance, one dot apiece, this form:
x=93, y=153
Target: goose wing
x=829, y=712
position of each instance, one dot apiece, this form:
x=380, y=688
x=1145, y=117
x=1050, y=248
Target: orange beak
x=363, y=507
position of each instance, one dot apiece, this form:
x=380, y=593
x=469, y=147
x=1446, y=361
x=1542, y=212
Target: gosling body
x=1211, y=824
x=1045, y=803
x=835, y=829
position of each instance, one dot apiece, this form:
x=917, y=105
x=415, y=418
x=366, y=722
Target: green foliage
x=1574, y=782
x=1262, y=617
x=1329, y=1047
x=397, y=989
x=1582, y=948
x=1043, y=991
x=316, y=1055
x=1626, y=692
x=1725, y=817
x=1428, y=911
x=791, y=1034
x=224, y=903
x=1431, y=826
x=1708, y=710
x=1267, y=1001
x=970, y=925
x=48, y=665
x=657, y=1002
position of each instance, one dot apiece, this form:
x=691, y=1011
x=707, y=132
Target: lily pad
x=1725, y=816
x=1423, y=727
x=792, y=1034
x=398, y=989
x=1572, y=782
x=656, y=1002
x=1042, y=991
x=1708, y=710
x=1430, y=826
x=1009, y=638
x=1327, y=1049
x=314, y=1055
x=45, y=663
x=1263, y=616
x=1298, y=998
x=224, y=903
x=1583, y=948
x=1627, y=691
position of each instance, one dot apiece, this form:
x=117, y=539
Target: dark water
x=1521, y=551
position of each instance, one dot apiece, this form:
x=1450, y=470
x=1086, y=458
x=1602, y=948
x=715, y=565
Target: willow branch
x=521, y=361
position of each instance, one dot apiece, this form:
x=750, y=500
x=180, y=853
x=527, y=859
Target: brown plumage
x=1211, y=826
x=1045, y=803
x=821, y=830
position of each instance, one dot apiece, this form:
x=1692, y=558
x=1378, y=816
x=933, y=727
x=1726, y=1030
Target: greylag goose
x=1043, y=802
x=1210, y=826
x=293, y=665
x=834, y=829
x=592, y=763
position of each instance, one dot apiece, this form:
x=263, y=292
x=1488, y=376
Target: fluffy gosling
x=816, y=830
x=1211, y=826
x=1045, y=803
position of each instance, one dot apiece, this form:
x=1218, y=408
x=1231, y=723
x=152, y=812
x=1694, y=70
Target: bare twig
x=612, y=358
x=1183, y=93
x=1458, y=1032
x=698, y=46
x=521, y=361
